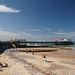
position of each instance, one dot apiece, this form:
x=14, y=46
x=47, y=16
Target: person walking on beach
x=44, y=56
x=33, y=53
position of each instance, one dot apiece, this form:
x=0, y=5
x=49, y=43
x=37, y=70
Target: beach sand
x=22, y=63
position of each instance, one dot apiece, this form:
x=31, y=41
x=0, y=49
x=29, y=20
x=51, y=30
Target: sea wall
x=4, y=46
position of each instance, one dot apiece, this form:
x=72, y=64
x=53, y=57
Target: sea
x=69, y=52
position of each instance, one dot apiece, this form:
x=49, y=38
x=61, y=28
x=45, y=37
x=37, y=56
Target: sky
x=37, y=19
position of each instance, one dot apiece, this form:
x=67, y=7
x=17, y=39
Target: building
x=21, y=40
x=13, y=39
x=63, y=40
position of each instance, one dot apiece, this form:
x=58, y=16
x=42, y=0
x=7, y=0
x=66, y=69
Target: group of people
x=43, y=56
x=3, y=65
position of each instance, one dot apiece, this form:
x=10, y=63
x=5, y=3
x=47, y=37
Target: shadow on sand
x=2, y=50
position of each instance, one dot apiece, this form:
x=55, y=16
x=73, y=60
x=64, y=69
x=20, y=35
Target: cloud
x=47, y=29
x=5, y=35
x=71, y=34
x=29, y=36
x=36, y=30
x=1, y=28
x=61, y=33
x=4, y=8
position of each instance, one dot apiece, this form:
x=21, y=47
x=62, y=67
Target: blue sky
x=37, y=19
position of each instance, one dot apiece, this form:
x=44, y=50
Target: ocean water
x=69, y=52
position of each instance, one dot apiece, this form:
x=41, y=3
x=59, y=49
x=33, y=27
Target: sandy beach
x=59, y=62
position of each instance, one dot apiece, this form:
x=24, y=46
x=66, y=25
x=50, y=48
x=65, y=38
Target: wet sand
x=22, y=63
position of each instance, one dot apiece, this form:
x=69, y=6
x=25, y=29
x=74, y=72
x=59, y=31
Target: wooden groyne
x=42, y=50
x=32, y=50
x=65, y=48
